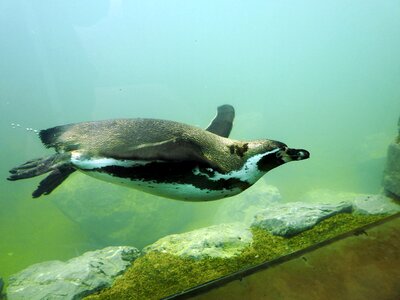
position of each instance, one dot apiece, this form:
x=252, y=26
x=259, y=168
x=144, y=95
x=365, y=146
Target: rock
x=398, y=126
x=1, y=287
x=224, y=240
x=292, y=218
x=243, y=207
x=115, y=215
x=374, y=204
x=363, y=204
x=74, y=279
x=391, y=175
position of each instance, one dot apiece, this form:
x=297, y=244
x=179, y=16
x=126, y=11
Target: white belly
x=185, y=192
x=180, y=191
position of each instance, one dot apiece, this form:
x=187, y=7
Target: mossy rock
x=156, y=275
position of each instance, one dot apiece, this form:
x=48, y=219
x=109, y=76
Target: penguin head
x=273, y=154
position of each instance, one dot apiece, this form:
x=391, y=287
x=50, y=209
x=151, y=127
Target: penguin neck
x=251, y=166
x=248, y=172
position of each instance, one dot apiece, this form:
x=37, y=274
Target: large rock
x=243, y=207
x=1, y=287
x=224, y=240
x=365, y=204
x=292, y=218
x=74, y=279
x=374, y=204
x=391, y=175
x=115, y=215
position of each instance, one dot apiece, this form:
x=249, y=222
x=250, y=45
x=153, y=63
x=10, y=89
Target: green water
x=319, y=75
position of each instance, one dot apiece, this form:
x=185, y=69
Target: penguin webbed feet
x=57, y=164
x=53, y=180
x=32, y=168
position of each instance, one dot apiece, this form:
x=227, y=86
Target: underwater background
x=323, y=76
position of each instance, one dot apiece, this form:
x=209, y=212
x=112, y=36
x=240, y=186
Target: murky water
x=323, y=76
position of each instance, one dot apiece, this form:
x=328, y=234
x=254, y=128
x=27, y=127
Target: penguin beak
x=297, y=154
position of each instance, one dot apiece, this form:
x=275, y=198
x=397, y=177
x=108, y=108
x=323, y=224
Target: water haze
x=318, y=75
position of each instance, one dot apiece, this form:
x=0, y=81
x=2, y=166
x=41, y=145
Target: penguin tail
x=58, y=165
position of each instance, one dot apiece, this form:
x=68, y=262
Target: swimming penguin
x=164, y=158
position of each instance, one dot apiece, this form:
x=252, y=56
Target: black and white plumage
x=161, y=157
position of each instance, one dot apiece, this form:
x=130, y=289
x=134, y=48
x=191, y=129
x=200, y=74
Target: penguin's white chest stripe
x=249, y=172
x=96, y=163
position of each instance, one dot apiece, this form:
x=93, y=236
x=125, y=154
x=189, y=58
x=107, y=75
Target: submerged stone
x=292, y=218
x=119, y=216
x=158, y=275
x=1, y=287
x=224, y=241
x=365, y=204
x=73, y=279
x=391, y=175
x=374, y=205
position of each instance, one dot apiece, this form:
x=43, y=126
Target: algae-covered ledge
x=155, y=274
x=179, y=262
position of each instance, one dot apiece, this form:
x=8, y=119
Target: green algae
x=156, y=275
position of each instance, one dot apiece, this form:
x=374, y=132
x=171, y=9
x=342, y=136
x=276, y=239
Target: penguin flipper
x=172, y=150
x=223, y=121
